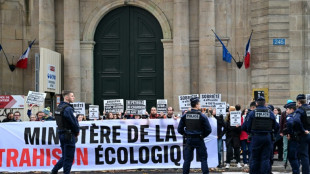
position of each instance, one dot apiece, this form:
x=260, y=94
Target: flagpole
x=12, y=67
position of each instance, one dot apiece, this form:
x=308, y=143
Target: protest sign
x=114, y=106
x=136, y=107
x=184, y=101
x=79, y=108
x=162, y=106
x=235, y=118
x=93, y=112
x=107, y=145
x=36, y=98
x=220, y=108
x=209, y=100
x=11, y=101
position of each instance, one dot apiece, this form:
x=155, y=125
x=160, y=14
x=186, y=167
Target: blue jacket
x=247, y=125
x=69, y=116
x=206, y=128
x=298, y=126
x=290, y=123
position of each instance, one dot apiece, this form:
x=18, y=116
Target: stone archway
x=87, y=44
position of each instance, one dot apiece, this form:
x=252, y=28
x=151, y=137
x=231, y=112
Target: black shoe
x=219, y=166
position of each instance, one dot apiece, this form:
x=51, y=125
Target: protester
x=9, y=118
x=244, y=140
x=80, y=117
x=220, y=126
x=33, y=117
x=170, y=113
x=232, y=140
x=17, y=116
x=278, y=144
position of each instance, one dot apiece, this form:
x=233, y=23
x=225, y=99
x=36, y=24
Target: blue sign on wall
x=279, y=41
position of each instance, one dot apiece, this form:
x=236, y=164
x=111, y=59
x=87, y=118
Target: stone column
x=168, y=70
x=181, y=66
x=72, y=68
x=87, y=68
x=47, y=24
x=207, y=62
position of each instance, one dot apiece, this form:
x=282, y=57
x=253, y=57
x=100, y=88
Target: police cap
x=300, y=97
x=194, y=100
x=270, y=107
x=260, y=98
x=290, y=105
x=287, y=102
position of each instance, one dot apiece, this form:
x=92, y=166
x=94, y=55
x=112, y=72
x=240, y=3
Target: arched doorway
x=128, y=57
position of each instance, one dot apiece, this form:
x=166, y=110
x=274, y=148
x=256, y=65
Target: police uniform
x=293, y=144
x=68, y=130
x=195, y=127
x=301, y=124
x=261, y=123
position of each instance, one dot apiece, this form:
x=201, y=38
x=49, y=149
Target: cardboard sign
x=136, y=107
x=184, y=101
x=11, y=101
x=209, y=100
x=235, y=118
x=114, y=106
x=93, y=112
x=79, y=108
x=220, y=108
x=162, y=106
x=36, y=98
x=51, y=77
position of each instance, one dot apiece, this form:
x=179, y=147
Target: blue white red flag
x=22, y=61
x=247, y=54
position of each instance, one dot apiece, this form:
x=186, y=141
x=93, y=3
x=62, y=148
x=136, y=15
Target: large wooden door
x=128, y=57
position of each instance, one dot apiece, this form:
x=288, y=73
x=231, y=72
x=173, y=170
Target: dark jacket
x=220, y=126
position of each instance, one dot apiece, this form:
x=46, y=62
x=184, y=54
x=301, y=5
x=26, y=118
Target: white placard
x=209, y=100
x=114, y=106
x=93, y=112
x=36, y=98
x=184, y=101
x=220, y=108
x=79, y=108
x=51, y=76
x=162, y=106
x=136, y=107
x=235, y=118
x=308, y=98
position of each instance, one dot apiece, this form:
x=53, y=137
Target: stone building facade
x=192, y=57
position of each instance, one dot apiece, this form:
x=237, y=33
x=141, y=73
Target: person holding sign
x=233, y=130
x=195, y=127
x=260, y=124
x=68, y=130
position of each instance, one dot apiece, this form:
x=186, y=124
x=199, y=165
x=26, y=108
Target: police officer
x=302, y=127
x=260, y=124
x=68, y=130
x=195, y=127
x=293, y=144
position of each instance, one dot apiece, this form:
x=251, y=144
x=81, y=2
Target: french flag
x=247, y=54
x=22, y=61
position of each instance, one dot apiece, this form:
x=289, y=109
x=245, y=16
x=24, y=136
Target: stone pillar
x=87, y=68
x=181, y=66
x=168, y=70
x=72, y=68
x=207, y=62
x=47, y=24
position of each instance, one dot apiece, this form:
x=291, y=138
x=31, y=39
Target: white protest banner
x=11, y=101
x=102, y=145
x=51, y=76
x=308, y=98
x=93, y=112
x=114, y=106
x=79, y=108
x=162, y=106
x=36, y=98
x=209, y=100
x=235, y=118
x=220, y=108
x=184, y=101
x=136, y=107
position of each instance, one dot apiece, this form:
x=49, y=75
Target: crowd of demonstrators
x=44, y=115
